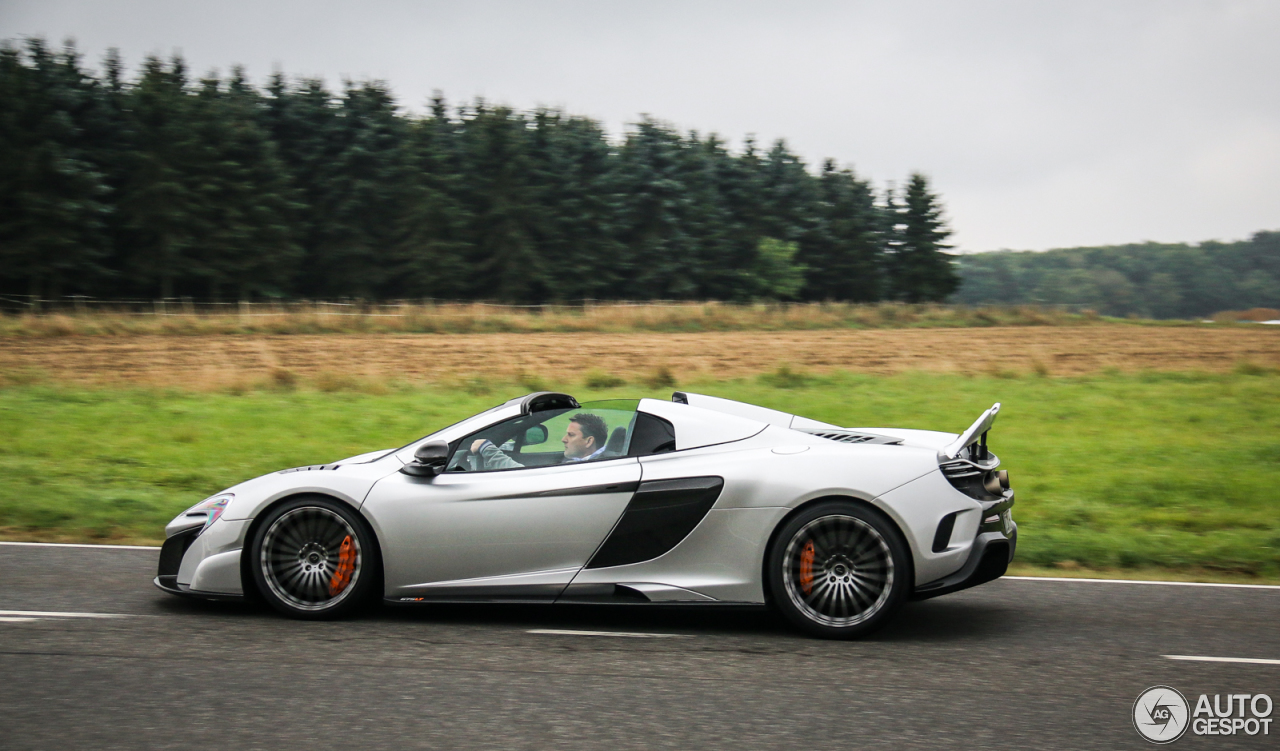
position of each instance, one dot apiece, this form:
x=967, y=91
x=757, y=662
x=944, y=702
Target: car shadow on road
x=946, y=620
x=932, y=621
x=720, y=618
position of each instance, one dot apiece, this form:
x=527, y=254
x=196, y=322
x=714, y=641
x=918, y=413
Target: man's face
x=576, y=445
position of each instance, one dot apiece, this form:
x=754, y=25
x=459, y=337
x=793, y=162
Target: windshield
x=494, y=408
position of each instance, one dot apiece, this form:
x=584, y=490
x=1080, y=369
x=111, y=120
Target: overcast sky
x=1042, y=124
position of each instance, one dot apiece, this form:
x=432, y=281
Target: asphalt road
x=1011, y=664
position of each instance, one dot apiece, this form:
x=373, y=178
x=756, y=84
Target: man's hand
x=476, y=444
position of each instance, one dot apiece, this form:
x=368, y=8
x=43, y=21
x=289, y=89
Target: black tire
x=314, y=558
x=838, y=570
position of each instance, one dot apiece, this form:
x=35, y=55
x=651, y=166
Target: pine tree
x=53, y=197
x=154, y=184
x=363, y=195
x=735, y=270
x=113, y=136
x=718, y=266
x=243, y=190
x=788, y=194
x=433, y=252
x=577, y=195
x=159, y=201
x=843, y=251
x=503, y=203
x=920, y=269
x=302, y=121
x=659, y=253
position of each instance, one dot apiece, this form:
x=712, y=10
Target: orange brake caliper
x=806, y=567
x=346, y=567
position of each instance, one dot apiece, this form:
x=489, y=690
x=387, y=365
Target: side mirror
x=536, y=435
x=428, y=460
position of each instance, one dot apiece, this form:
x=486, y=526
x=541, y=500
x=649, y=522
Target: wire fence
x=187, y=306
x=31, y=305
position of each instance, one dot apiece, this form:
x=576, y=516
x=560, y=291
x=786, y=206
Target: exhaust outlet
x=996, y=482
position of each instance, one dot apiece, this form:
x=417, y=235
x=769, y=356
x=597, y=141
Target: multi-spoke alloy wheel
x=311, y=558
x=838, y=569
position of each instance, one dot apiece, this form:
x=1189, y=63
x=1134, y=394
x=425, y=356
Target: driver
x=584, y=440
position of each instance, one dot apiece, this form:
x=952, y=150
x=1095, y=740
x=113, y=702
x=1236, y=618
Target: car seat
x=617, y=442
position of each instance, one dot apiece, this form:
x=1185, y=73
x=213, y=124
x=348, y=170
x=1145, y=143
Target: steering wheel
x=464, y=461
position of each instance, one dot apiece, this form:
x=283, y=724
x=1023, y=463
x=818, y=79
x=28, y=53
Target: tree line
x=164, y=185
x=1150, y=280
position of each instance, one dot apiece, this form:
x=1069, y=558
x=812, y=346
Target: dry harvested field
x=217, y=361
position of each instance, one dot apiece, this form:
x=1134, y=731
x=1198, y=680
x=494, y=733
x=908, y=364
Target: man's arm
x=491, y=457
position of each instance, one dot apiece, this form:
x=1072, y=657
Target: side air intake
x=660, y=515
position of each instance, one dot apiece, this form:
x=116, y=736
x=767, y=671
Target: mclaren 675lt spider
x=698, y=500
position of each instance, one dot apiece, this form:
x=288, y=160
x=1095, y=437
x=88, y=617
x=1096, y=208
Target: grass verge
x=1170, y=472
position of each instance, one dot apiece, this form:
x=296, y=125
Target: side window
x=595, y=431
x=652, y=435
x=523, y=441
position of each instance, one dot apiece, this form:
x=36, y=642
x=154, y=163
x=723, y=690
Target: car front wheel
x=839, y=570
x=313, y=558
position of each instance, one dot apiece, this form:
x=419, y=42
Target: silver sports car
x=698, y=500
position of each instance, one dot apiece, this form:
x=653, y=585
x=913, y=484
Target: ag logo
x=1160, y=714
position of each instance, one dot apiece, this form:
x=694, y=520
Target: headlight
x=210, y=508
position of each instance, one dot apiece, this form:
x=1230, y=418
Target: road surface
x=1011, y=664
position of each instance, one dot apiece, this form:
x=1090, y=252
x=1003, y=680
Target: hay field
x=187, y=318
x=335, y=361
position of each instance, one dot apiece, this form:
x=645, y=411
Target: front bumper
x=172, y=554
x=989, y=559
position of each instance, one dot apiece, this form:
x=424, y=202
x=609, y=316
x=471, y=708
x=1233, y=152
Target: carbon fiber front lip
x=170, y=584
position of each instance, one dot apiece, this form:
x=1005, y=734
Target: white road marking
x=7, y=619
x=80, y=545
x=30, y=614
x=1139, y=581
x=566, y=632
x=1246, y=660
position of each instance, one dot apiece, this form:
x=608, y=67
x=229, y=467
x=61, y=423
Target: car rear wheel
x=839, y=570
x=314, y=558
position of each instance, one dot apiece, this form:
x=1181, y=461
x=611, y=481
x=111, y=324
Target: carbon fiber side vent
x=849, y=436
x=660, y=515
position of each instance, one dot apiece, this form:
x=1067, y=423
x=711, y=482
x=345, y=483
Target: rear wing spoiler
x=977, y=431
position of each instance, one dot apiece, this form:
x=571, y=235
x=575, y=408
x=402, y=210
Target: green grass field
x=1171, y=471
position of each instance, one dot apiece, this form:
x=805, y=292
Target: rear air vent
x=849, y=436
x=970, y=479
x=942, y=537
x=958, y=470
